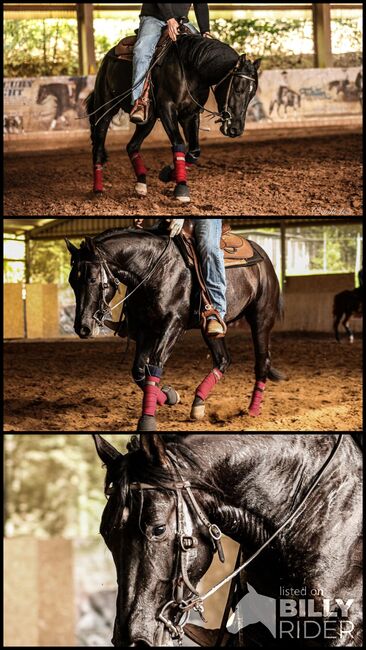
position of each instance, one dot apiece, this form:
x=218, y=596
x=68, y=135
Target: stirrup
x=211, y=311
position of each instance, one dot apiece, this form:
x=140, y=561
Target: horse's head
x=234, y=93
x=93, y=287
x=42, y=94
x=142, y=526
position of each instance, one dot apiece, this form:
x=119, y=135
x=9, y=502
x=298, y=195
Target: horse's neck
x=134, y=255
x=264, y=478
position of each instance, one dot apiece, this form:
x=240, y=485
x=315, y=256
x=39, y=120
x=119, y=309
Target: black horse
x=248, y=486
x=346, y=305
x=181, y=85
x=162, y=309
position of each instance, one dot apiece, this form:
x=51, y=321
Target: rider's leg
x=208, y=237
x=143, y=52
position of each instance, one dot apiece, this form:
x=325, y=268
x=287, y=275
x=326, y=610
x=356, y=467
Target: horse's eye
x=93, y=280
x=159, y=531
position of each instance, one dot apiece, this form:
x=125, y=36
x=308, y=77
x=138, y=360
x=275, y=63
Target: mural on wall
x=307, y=94
x=57, y=103
x=49, y=104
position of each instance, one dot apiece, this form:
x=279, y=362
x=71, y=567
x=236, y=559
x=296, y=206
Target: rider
x=208, y=235
x=153, y=18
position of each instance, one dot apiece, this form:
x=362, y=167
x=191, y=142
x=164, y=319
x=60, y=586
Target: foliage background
x=54, y=484
x=49, y=46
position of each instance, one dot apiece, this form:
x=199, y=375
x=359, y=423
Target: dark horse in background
x=347, y=304
x=181, y=85
x=162, y=309
x=248, y=485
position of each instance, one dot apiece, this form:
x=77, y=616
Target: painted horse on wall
x=161, y=290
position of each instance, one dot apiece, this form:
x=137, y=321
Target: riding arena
x=269, y=113
x=61, y=377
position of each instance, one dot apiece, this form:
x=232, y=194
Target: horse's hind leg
x=222, y=361
x=346, y=325
x=99, y=153
x=261, y=330
x=133, y=150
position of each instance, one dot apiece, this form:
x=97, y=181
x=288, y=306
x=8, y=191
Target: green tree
x=54, y=484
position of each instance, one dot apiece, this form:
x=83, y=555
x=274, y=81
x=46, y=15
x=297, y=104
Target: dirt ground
x=307, y=176
x=72, y=385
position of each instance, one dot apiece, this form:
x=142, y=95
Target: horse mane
x=211, y=58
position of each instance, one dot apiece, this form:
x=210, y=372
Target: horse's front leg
x=133, y=150
x=157, y=353
x=222, y=361
x=169, y=118
x=167, y=395
x=191, y=131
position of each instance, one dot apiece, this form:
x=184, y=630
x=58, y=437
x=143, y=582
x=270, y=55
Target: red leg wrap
x=257, y=399
x=138, y=164
x=98, y=178
x=209, y=383
x=180, y=167
x=151, y=394
x=162, y=397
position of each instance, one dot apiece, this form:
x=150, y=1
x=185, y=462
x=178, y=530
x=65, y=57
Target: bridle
x=186, y=542
x=225, y=114
x=108, y=278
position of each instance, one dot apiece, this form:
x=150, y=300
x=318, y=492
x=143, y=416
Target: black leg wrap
x=198, y=401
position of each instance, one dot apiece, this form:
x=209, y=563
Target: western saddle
x=237, y=252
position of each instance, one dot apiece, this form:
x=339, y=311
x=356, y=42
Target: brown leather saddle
x=238, y=251
x=124, y=49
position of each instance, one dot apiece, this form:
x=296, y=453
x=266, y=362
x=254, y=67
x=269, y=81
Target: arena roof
x=19, y=226
x=79, y=227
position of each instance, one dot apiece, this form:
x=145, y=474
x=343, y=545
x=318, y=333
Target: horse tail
x=281, y=307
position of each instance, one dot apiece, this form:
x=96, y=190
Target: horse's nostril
x=85, y=332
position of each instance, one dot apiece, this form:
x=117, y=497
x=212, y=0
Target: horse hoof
x=254, y=413
x=172, y=395
x=147, y=423
x=97, y=191
x=181, y=193
x=166, y=174
x=198, y=409
x=141, y=189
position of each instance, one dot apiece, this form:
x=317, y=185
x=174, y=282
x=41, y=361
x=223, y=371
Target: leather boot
x=140, y=111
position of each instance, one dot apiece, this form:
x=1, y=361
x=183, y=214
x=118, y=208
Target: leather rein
x=186, y=542
x=107, y=278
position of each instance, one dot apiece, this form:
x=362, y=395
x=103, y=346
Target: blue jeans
x=208, y=236
x=148, y=37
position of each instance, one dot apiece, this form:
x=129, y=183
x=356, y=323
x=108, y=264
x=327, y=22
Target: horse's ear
x=89, y=243
x=257, y=63
x=154, y=448
x=106, y=452
x=71, y=248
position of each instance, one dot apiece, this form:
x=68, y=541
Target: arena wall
x=314, y=98
x=308, y=302
x=39, y=601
